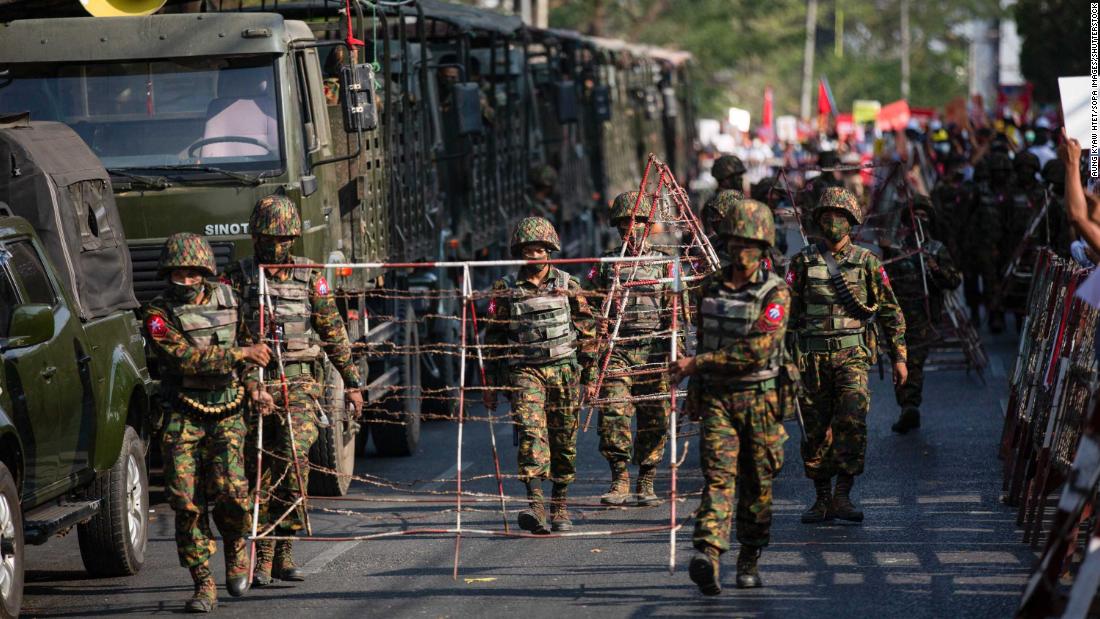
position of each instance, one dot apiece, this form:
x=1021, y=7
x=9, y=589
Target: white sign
x=739, y=119
x=786, y=129
x=1079, y=109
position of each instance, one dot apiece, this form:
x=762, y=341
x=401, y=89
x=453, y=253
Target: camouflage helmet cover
x=275, y=215
x=727, y=166
x=534, y=230
x=750, y=220
x=924, y=204
x=543, y=176
x=1026, y=161
x=718, y=206
x=186, y=250
x=841, y=199
x=623, y=206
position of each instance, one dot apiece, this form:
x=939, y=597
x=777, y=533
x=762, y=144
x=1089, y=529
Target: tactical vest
x=824, y=314
x=727, y=316
x=642, y=309
x=293, y=314
x=541, y=328
x=905, y=280
x=213, y=323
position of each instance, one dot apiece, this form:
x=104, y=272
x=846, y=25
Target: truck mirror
x=565, y=95
x=30, y=324
x=467, y=105
x=309, y=185
x=672, y=105
x=357, y=98
x=601, y=103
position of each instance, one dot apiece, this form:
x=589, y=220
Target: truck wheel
x=396, y=429
x=11, y=546
x=440, y=375
x=113, y=542
x=334, y=448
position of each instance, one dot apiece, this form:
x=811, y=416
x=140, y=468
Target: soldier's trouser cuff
x=704, y=538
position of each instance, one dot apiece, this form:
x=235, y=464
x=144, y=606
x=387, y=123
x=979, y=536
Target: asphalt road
x=936, y=541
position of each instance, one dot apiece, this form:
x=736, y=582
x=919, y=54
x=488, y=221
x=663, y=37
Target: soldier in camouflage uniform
x=542, y=181
x=303, y=317
x=192, y=327
x=742, y=322
x=922, y=314
x=537, y=323
x=831, y=320
x=729, y=171
x=991, y=234
x=644, y=315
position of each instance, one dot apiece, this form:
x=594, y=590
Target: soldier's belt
x=298, y=368
x=830, y=344
x=208, y=383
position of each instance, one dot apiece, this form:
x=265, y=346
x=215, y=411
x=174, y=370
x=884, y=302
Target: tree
x=1055, y=36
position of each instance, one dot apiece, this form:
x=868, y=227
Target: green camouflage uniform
x=956, y=202
x=835, y=357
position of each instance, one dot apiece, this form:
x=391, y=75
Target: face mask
x=745, y=258
x=835, y=227
x=270, y=251
x=185, y=293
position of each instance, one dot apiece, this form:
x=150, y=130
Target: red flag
x=823, y=106
x=767, y=119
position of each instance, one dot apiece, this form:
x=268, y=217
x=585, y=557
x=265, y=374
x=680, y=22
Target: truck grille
x=144, y=259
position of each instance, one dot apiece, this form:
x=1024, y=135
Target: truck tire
x=113, y=542
x=396, y=429
x=334, y=449
x=11, y=546
x=439, y=372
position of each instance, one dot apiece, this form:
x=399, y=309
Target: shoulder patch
x=592, y=272
x=493, y=306
x=156, y=327
x=789, y=277
x=767, y=262
x=322, y=286
x=772, y=318
x=885, y=278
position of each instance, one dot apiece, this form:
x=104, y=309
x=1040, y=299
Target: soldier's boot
x=820, y=511
x=206, y=590
x=559, y=512
x=265, y=554
x=533, y=519
x=236, y=566
x=908, y=420
x=748, y=576
x=643, y=488
x=283, y=568
x=703, y=570
x=843, y=507
x=619, y=492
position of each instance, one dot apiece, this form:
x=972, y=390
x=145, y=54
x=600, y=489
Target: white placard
x=739, y=119
x=1077, y=108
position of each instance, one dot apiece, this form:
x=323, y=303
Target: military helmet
x=718, y=206
x=1054, y=172
x=998, y=162
x=275, y=215
x=828, y=159
x=922, y=202
x=534, y=230
x=841, y=199
x=1026, y=161
x=727, y=166
x=543, y=176
x=623, y=206
x=750, y=220
x=186, y=250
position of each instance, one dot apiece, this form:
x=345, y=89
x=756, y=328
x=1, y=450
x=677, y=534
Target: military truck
x=74, y=388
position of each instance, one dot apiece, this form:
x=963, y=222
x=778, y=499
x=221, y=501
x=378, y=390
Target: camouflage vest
x=727, y=316
x=541, y=328
x=824, y=314
x=213, y=323
x=642, y=309
x=293, y=313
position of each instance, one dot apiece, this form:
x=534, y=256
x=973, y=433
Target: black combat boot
x=283, y=568
x=819, y=511
x=559, y=513
x=643, y=488
x=206, y=591
x=908, y=420
x=703, y=570
x=533, y=519
x=843, y=507
x=619, y=492
x=265, y=554
x=748, y=576
x=236, y=566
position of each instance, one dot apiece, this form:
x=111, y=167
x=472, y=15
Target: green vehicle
x=74, y=388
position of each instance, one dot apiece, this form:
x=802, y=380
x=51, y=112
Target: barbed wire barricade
x=684, y=258
x=1049, y=439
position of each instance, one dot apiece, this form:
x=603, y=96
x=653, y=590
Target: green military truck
x=74, y=388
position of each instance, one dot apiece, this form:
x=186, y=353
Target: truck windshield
x=220, y=112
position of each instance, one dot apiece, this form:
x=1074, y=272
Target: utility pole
x=808, y=58
x=905, y=49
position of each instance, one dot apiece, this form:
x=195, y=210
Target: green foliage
x=1055, y=36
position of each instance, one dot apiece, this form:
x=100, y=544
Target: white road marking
x=330, y=554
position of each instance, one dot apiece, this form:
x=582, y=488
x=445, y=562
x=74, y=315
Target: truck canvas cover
x=52, y=179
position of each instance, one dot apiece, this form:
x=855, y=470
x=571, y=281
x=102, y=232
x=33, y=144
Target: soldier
x=742, y=321
x=192, y=327
x=956, y=200
x=989, y=237
x=644, y=314
x=302, y=315
x=1028, y=199
x=537, y=316
x=836, y=290
x=729, y=171
x=714, y=212
x=922, y=314
x=542, y=181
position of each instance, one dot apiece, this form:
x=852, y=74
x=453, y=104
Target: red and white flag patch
x=789, y=277
x=885, y=278
x=156, y=327
x=493, y=306
x=767, y=264
x=592, y=272
x=772, y=318
x=322, y=286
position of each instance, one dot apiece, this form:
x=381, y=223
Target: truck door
x=49, y=388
